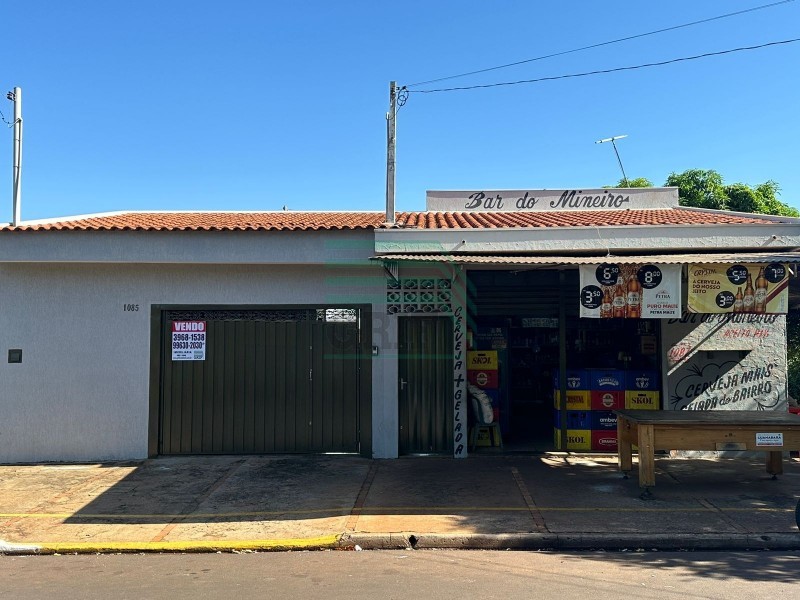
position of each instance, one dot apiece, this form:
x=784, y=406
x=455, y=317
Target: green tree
x=699, y=188
x=706, y=189
x=639, y=182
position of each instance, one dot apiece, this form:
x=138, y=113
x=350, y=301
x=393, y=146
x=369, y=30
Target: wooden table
x=653, y=430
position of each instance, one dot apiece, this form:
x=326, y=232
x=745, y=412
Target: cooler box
x=604, y=420
x=606, y=379
x=577, y=379
x=604, y=440
x=484, y=379
x=608, y=400
x=577, y=439
x=576, y=399
x=643, y=400
x=576, y=419
x=642, y=380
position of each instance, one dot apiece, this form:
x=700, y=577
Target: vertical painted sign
x=740, y=288
x=188, y=340
x=623, y=291
x=459, y=385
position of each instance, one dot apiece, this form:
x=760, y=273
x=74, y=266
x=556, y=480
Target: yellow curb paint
x=330, y=541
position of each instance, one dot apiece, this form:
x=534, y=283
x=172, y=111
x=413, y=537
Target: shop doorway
x=425, y=385
x=528, y=321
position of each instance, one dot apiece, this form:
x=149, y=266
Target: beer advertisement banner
x=739, y=288
x=637, y=291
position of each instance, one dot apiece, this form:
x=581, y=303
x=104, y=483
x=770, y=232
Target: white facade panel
x=81, y=392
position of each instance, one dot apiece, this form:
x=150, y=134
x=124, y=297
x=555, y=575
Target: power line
x=603, y=71
x=598, y=45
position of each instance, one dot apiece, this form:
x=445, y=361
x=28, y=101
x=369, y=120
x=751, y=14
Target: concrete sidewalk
x=547, y=501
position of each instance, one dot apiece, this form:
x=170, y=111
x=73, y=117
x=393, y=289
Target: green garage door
x=271, y=381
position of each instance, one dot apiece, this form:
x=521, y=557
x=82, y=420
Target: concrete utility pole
x=391, y=131
x=16, y=97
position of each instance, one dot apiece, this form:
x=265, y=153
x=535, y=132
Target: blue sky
x=245, y=105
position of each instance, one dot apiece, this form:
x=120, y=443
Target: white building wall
x=81, y=392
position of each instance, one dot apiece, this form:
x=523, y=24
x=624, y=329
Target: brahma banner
x=749, y=288
x=635, y=291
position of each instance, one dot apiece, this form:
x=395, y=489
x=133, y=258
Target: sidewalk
x=548, y=501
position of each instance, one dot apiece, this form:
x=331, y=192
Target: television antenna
x=619, y=160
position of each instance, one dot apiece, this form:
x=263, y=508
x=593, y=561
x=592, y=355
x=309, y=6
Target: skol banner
x=638, y=291
x=739, y=288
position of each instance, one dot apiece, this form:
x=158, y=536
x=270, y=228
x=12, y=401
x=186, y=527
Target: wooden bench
x=654, y=430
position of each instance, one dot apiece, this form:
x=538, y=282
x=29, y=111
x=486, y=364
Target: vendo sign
x=188, y=340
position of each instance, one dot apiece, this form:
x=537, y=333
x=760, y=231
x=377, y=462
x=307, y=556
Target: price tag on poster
x=630, y=291
x=738, y=288
x=188, y=340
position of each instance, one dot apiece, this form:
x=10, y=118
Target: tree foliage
x=639, y=182
x=706, y=189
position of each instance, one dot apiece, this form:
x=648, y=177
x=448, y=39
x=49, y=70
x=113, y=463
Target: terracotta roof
x=293, y=221
x=492, y=220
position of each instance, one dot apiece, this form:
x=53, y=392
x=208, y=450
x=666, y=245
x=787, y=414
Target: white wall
x=81, y=392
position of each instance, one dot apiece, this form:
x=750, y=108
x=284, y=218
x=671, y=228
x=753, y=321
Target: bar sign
x=769, y=439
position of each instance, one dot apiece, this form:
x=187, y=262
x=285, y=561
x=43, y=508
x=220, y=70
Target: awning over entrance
x=727, y=257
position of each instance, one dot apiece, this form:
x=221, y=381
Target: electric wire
x=604, y=71
x=600, y=44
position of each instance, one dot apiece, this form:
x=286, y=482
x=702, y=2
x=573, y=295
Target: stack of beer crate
x=483, y=372
x=592, y=397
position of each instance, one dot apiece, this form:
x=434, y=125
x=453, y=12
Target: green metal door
x=270, y=382
x=426, y=385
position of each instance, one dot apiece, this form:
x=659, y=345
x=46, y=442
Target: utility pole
x=391, y=131
x=16, y=97
x=611, y=139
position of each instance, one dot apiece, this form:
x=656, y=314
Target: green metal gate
x=426, y=385
x=272, y=381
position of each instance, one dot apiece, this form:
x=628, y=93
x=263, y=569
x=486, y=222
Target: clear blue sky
x=253, y=105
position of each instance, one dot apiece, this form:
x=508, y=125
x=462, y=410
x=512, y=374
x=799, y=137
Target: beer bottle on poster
x=618, y=303
x=634, y=298
x=760, y=295
x=748, y=300
x=738, y=304
x=605, y=307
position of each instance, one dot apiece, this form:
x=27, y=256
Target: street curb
x=329, y=542
x=574, y=541
x=406, y=541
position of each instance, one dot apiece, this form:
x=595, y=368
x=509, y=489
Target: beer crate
x=489, y=380
x=606, y=379
x=482, y=360
x=577, y=439
x=604, y=420
x=577, y=379
x=642, y=380
x=576, y=419
x=607, y=400
x=642, y=400
x=576, y=399
x=604, y=440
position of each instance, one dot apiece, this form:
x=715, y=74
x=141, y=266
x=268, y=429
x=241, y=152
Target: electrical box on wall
x=15, y=355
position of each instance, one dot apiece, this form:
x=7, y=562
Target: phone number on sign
x=187, y=345
x=185, y=337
